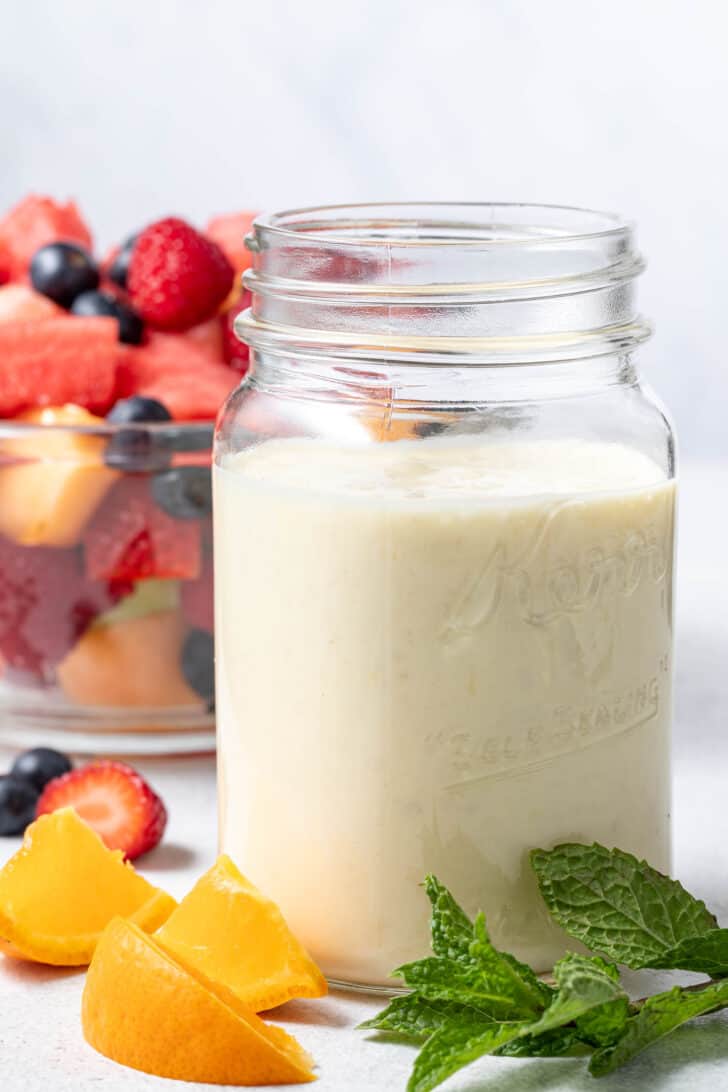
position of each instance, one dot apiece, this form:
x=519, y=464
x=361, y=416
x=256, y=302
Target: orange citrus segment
x=61, y=889
x=142, y=1009
x=230, y=932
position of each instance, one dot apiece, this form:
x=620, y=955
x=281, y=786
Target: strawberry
x=236, y=352
x=130, y=538
x=113, y=799
x=177, y=277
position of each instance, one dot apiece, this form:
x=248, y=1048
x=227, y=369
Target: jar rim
x=374, y=223
x=503, y=281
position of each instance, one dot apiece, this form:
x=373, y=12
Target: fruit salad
x=112, y=371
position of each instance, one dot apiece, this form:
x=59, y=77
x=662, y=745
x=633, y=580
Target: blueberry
x=18, y=799
x=198, y=663
x=62, y=271
x=184, y=493
x=91, y=304
x=119, y=268
x=40, y=766
x=129, y=410
x=135, y=449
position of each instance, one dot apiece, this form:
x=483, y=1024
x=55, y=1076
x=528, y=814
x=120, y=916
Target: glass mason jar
x=444, y=524
x=105, y=584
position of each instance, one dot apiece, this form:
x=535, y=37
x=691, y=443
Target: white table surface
x=41, y=1046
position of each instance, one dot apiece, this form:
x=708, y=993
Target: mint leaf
x=559, y=1043
x=584, y=985
x=658, y=1016
x=452, y=929
x=491, y=981
x=603, y=1025
x=618, y=905
x=707, y=954
x=413, y=1017
x=455, y=1046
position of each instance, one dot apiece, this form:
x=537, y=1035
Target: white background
x=149, y=107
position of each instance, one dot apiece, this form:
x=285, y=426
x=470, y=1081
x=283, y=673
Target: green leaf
x=560, y=1043
x=618, y=905
x=415, y=1018
x=452, y=929
x=491, y=981
x=707, y=954
x=658, y=1016
x=604, y=1024
x=584, y=986
x=454, y=1046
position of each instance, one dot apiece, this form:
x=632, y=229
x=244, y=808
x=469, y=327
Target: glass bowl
x=106, y=625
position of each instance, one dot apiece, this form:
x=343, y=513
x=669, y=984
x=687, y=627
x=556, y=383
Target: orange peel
x=142, y=1009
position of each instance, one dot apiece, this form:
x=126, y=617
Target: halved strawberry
x=113, y=799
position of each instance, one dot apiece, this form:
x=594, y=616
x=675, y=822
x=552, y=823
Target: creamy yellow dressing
x=433, y=656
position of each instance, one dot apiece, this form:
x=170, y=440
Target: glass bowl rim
x=13, y=427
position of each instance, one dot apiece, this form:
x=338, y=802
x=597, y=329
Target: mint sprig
x=657, y=1017
x=469, y=999
x=618, y=905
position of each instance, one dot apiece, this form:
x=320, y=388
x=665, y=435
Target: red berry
x=177, y=277
x=235, y=351
x=113, y=799
x=130, y=538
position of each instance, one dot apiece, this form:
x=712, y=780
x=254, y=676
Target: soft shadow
x=25, y=971
x=538, y=1075
x=168, y=857
x=322, y=1011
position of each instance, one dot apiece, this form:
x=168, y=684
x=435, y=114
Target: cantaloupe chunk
x=62, y=888
x=48, y=495
x=232, y=933
x=132, y=662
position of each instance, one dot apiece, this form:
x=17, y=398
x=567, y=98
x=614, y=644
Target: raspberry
x=177, y=277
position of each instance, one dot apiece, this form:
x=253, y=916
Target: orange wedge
x=230, y=932
x=142, y=1009
x=62, y=888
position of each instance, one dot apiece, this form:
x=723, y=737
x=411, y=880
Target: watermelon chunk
x=46, y=603
x=229, y=233
x=58, y=360
x=179, y=374
x=35, y=221
x=129, y=538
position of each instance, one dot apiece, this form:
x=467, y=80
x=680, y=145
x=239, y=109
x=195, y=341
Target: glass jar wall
x=444, y=523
